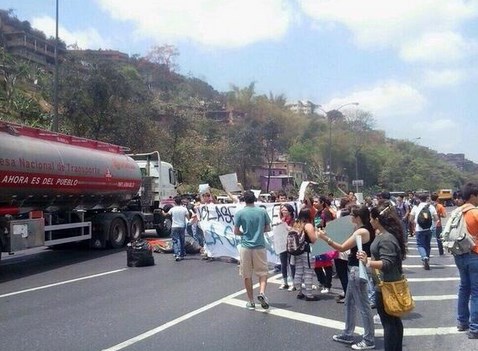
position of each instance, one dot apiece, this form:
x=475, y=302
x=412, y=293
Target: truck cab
x=160, y=180
x=158, y=188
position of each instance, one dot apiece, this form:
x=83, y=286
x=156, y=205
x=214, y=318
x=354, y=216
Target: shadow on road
x=34, y=261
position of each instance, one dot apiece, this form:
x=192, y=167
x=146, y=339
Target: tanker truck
x=57, y=189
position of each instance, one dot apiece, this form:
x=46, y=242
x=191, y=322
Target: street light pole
x=55, y=87
x=329, y=116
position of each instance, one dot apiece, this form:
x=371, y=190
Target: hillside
x=144, y=104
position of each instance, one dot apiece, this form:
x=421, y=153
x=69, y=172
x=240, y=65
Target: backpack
x=296, y=243
x=424, y=218
x=455, y=237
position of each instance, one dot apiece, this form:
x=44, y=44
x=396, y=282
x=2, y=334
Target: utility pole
x=55, y=87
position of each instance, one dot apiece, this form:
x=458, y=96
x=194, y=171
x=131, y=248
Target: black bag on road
x=139, y=254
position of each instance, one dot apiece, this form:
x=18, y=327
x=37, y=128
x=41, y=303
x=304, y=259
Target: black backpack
x=424, y=218
x=297, y=243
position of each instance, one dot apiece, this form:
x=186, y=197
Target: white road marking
x=433, y=279
x=330, y=323
x=431, y=265
x=172, y=323
x=435, y=297
x=62, y=283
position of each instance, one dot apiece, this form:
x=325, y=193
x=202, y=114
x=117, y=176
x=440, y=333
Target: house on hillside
x=282, y=175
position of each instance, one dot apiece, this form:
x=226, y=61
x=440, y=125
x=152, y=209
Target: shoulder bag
x=397, y=298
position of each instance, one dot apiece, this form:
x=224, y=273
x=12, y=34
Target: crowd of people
x=382, y=226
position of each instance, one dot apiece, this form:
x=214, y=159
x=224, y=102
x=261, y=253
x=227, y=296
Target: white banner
x=217, y=222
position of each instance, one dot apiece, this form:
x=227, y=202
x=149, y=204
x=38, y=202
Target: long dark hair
x=364, y=214
x=387, y=216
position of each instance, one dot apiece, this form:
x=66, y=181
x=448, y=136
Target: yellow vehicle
x=445, y=196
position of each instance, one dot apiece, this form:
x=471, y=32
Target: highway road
x=90, y=300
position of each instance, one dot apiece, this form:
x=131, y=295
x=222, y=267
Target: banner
x=217, y=223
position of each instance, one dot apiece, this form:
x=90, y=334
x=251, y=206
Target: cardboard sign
x=339, y=230
x=229, y=182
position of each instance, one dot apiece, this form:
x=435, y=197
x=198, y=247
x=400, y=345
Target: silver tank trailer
x=44, y=170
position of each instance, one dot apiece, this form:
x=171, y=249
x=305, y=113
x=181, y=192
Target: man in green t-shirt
x=250, y=223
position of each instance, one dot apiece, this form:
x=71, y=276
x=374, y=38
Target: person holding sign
x=356, y=296
x=250, y=223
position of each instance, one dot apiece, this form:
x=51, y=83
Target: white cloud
x=438, y=47
x=394, y=24
x=385, y=100
x=440, y=133
x=88, y=38
x=221, y=23
x=444, y=78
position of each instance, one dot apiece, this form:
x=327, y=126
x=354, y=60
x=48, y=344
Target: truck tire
x=136, y=229
x=117, y=233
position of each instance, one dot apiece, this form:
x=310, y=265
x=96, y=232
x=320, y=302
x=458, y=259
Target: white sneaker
x=314, y=287
x=376, y=319
x=292, y=288
x=325, y=291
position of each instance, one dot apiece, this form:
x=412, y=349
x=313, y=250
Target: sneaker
x=461, y=328
x=472, y=335
x=314, y=287
x=340, y=300
x=344, y=339
x=264, y=301
x=376, y=319
x=292, y=288
x=284, y=287
x=250, y=305
x=426, y=265
x=301, y=296
x=325, y=291
x=177, y=258
x=363, y=345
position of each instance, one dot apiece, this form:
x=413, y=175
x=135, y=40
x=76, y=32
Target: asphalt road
x=89, y=300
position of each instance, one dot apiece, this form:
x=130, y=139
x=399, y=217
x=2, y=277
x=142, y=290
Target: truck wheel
x=117, y=233
x=137, y=228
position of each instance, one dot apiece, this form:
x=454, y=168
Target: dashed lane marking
x=62, y=283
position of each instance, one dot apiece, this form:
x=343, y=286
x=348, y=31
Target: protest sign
x=339, y=230
x=229, y=182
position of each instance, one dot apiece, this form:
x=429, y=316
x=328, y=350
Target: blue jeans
x=356, y=297
x=424, y=237
x=178, y=236
x=467, y=265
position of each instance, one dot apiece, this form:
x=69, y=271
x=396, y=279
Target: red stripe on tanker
x=38, y=166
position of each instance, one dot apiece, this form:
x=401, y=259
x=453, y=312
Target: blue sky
x=411, y=64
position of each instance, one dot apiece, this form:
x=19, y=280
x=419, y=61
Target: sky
x=411, y=64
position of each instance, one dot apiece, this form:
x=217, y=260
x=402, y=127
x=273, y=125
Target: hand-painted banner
x=217, y=222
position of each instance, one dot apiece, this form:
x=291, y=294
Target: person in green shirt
x=251, y=222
